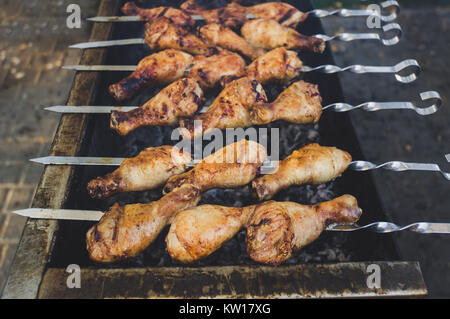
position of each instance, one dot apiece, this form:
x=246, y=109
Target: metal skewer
x=341, y=37
x=335, y=107
x=360, y=166
x=318, y=13
x=378, y=227
x=405, y=71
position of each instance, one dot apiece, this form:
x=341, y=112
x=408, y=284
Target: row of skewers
x=191, y=64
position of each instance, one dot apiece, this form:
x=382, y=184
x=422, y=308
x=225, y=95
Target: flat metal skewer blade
x=60, y=214
x=128, y=68
x=104, y=44
x=67, y=160
x=116, y=19
x=89, y=109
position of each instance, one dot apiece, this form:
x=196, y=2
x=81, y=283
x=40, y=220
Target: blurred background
x=33, y=47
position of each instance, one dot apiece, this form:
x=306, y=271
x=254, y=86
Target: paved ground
x=33, y=45
x=403, y=135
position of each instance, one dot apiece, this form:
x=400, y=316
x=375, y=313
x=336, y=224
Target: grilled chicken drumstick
x=269, y=34
x=177, y=16
x=226, y=38
x=124, y=232
x=149, y=170
x=233, y=166
x=162, y=34
x=234, y=15
x=278, y=65
x=243, y=103
x=300, y=103
x=229, y=110
x=311, y=164
x=277, y=230
x=156, y=69
x=170, y=65
x=181, y=98
x=274, y=229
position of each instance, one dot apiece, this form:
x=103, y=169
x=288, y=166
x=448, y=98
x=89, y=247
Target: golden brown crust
x=269, y=34
x=197, y=233
x=232, y=166
x=311, y=164
x=124, y=232
x=226, y=38
x=177, y=16
x=149, y=170
x=300, y=103
x=162, y=34
x=160, y=68
x=278, y=65
x=179, y=99
x=208, y=71
x=234, y=15
x=229, y=110
x=277, y=230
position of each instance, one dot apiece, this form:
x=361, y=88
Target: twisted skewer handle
x=405, y=71
x=346, y=13
x=368, y=36
x=386, y=227
x=397, y=166
x=430, y=96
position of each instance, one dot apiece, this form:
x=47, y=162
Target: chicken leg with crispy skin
x=124, y=232
x=311, y=164
x=208, y=71
x=275, y=230
x=234, y=15
x=170, y=65
x=278, y=65
x=269, y=34
x=226, y=38
x=156, y=69
x=181, y=98
x=162, y=34
x=149, y=170
x=300, y=103
x=235, y=165
x=229, y=110
x=177, y=16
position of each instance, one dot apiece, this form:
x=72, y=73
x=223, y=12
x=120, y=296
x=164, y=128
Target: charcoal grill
x=333, y=266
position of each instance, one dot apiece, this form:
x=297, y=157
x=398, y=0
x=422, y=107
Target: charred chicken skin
x=278, y=65
x=149, y=170
x=243, y=103
x=181, y=98
x=177, y=16
x=235, y=165
x=269, y=34
x=209, y=71
x=229, y=110
x=160, y=68
x=226, y=38
x=234, y=15
x=311, y=164
x=300, y=103
x=275, y=230
x=170, y=65
x=162, y=34
x=124, y=232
